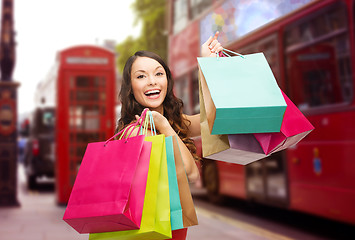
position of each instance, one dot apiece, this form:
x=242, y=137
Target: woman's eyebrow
x=140, y=71
x=146, y=71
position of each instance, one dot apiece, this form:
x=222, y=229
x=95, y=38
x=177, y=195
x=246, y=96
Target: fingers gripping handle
x=224, y=53
x=130, y=127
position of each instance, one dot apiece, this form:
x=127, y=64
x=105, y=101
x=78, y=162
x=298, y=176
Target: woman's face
x=149, y=83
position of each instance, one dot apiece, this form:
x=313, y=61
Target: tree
x=151, y=14
x=126, y=49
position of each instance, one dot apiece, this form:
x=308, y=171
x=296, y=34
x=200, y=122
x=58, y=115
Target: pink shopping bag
x=294, y=128
x=109, y=190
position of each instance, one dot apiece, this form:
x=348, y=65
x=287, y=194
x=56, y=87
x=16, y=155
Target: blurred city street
x=276, y=168
x=40, y=218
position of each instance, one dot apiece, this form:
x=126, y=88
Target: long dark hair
x=172, y=105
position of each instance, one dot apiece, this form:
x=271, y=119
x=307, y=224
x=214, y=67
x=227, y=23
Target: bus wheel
x=210, y=176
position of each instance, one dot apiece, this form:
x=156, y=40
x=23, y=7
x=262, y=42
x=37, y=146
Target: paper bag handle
x=151, y=122
x=224, y=53
x=130, y=126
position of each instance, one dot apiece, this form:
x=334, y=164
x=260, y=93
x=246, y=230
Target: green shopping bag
x=245, y=95
x=155, y=222
x=175, y=205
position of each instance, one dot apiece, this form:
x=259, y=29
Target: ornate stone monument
x=8, y=109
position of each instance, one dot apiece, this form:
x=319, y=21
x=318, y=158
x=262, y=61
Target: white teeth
x=152, y=92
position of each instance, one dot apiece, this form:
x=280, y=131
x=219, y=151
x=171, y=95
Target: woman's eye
x=160, y=74
x=140, y=76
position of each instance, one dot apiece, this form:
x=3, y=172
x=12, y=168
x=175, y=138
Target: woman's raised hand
x=211, y=47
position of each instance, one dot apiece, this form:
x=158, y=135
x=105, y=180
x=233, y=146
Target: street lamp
x=8, y=109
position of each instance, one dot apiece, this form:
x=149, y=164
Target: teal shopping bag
x=245, y=95
x=175, y=204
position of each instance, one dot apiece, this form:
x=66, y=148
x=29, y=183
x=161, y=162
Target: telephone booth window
x=87, y=106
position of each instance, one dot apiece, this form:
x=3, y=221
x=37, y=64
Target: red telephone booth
x=85, y=103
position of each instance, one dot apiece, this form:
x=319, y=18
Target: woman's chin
x=153, y=104
x=154, y=107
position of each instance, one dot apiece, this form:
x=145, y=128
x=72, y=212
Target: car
x=39, y=155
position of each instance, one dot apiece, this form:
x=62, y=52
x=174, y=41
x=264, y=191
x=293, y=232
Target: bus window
x=48, y=119
x=182, y=92
x=181, y=16
x=268, y=46
x=198, y=6
x=318, y=59
x=195, y=94
x=43, y=120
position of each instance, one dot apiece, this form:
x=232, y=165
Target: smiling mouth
x=152, y=93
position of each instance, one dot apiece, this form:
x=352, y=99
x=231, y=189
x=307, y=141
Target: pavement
x=40, y=218
x=37, y=218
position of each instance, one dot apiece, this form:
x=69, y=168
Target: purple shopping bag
x=109, y=190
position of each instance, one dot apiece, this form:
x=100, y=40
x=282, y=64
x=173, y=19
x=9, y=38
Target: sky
x=43, y=27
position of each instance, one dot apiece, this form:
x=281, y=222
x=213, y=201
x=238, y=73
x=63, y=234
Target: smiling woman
x=147, y=83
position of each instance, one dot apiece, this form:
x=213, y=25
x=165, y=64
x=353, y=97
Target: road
x=270, y=222
x=40, y=218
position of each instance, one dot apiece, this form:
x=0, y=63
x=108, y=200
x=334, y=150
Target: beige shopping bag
x=188, y=209
x=234, y=148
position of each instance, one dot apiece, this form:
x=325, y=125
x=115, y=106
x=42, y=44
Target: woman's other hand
x=161, y=124
x=211, y=47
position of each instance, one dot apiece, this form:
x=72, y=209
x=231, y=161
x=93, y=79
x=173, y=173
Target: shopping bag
x=155, y=222
x=109, y=189
x=188, y=208
x=235, y=148
x=245, y=95
x=182, y=210
x=179, y=234
x=175, y=205
x=294, y=128
x=246, y=148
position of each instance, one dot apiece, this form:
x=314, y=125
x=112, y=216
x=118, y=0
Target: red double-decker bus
x=80, y=91
x=310, y=46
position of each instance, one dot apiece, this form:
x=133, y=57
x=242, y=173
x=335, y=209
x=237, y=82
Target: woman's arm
x=194, y=128
x=209, y=49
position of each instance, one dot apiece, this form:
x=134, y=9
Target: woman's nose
x=151, y=80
